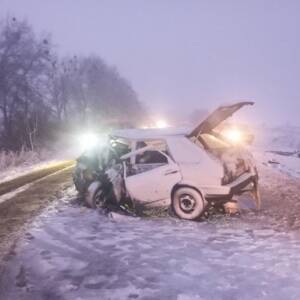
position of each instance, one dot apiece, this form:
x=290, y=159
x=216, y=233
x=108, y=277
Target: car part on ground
x=231, y=207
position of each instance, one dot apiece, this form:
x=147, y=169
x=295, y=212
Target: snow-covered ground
x=77, y=253
x=26, y=168
x=284, y=138
x=279, y=149
x=30, y=165
x=71, y=252
x=281, y=163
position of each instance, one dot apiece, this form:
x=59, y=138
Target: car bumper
x=244, y=183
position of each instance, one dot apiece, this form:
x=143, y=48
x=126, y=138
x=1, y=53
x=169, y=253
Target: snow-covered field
x=279, y=149
x=281, y=163
x=284, y=138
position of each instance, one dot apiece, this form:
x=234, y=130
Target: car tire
x=93, y=195
x=188, y=203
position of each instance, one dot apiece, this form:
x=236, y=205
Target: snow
x=278, y=149
x=10, y=173
x=13, y=165
x=15, y=192
x=77, y=253
x=151, y=133
x=72, y=252
x=11, y=162
x=289, y=165
x=12, y=194
x=284, y=138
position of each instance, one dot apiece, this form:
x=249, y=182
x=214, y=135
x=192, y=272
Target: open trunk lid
x=216, y=117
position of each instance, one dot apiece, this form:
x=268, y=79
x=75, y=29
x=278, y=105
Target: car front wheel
x=94, y=196
x=187, y=203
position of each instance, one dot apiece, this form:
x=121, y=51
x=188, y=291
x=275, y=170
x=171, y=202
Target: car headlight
x=88, y=141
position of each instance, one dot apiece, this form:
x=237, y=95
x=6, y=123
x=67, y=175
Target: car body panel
x=149, y=134
x=193, y=160
x=153, y=187
x=197, y=168
x=208, y=191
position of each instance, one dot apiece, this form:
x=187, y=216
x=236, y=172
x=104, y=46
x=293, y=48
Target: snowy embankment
x=13, y=164
x=289, y=165
x=285, y=138
x=279, y=149
x=16, y=164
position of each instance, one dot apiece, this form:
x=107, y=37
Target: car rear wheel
x=187, y=203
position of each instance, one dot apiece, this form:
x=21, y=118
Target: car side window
x=151, y=157
x=147, y=161
x=159, y=145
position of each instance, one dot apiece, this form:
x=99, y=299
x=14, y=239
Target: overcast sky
x=182, y=55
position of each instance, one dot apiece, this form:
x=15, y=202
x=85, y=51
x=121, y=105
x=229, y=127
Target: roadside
x=13, y=184
x=15, y=164
x=21, y=209
x=280, y=198
x=66, y=251
x=71, y=252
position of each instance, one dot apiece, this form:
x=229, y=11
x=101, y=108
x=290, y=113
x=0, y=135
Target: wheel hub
x=99, y=199
x=187, y=203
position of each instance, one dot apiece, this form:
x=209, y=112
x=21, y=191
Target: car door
x=151, y=178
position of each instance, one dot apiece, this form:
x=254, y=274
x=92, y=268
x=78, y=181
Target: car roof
x=149, y=134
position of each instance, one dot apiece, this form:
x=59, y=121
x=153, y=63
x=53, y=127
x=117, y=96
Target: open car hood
x=217, y=117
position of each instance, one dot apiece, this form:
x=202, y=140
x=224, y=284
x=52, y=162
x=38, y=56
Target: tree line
x=42, y=93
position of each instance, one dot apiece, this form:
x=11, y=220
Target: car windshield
x=159, y=145
x=119, y=146
x=212, y=142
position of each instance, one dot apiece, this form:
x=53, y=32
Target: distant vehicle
x=186, y=170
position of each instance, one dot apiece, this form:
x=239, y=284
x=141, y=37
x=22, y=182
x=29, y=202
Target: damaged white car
x=186, y=170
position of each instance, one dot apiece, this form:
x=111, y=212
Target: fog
x=184, y=55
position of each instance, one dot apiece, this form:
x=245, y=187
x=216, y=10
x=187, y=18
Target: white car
x=187, y=170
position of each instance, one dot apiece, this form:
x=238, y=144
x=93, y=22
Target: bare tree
x=23, y=61
x=40, y=93
x=100, y=95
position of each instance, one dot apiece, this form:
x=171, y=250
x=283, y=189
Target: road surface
x=18, y=209
x=13, y=184
x=71, y=252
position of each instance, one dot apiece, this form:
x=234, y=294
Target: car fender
x=203, y=190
